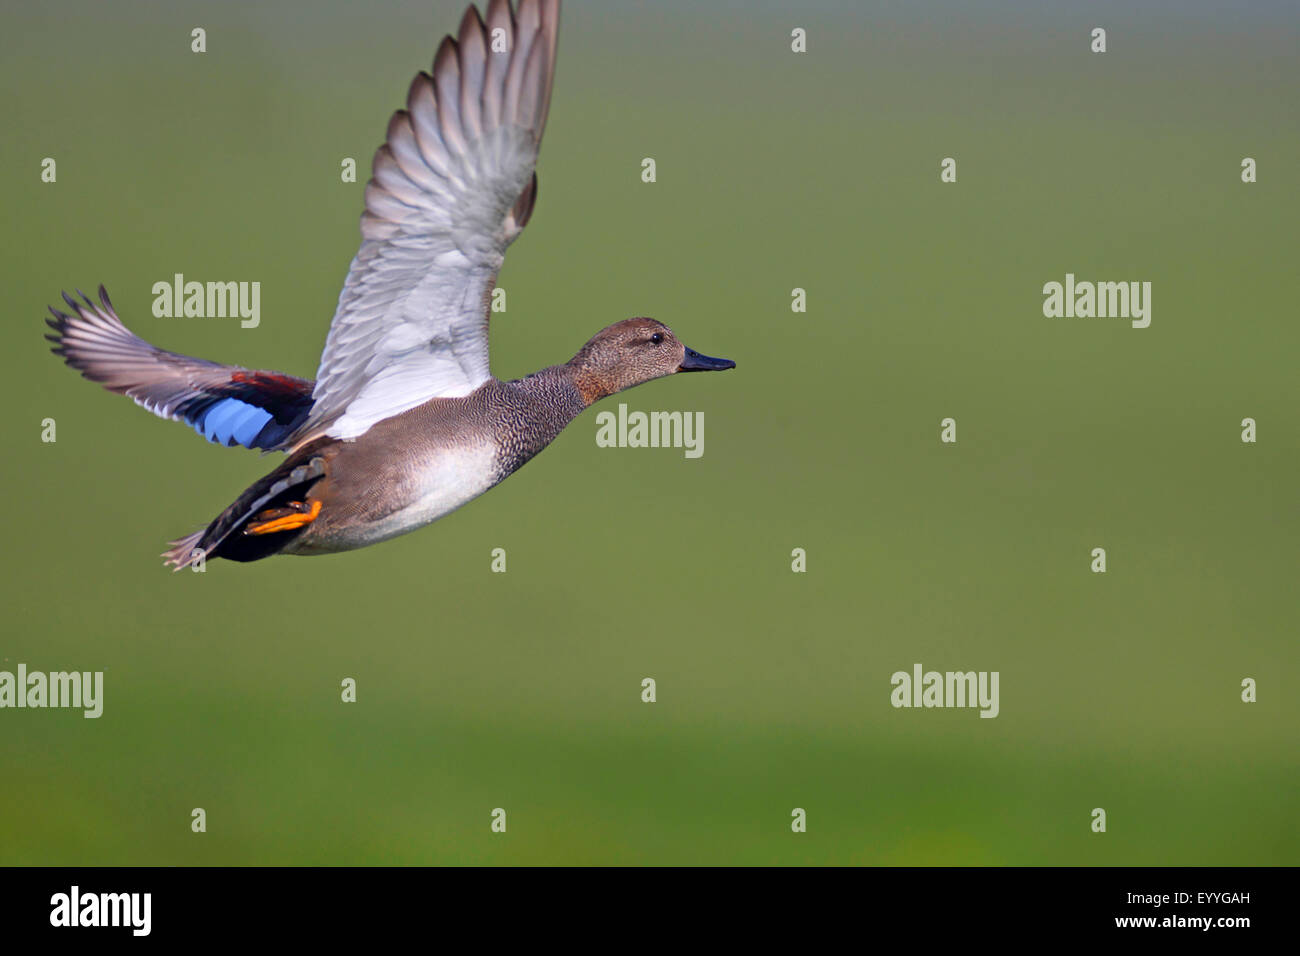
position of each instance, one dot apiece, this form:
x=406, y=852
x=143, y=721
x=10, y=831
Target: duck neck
x=554, y=392
x=566, y=388
x=536, y=410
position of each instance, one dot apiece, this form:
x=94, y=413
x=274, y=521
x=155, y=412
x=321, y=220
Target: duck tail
x=225, y=537
x=184, y=551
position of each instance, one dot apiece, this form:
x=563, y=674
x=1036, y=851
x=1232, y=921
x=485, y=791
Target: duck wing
x=226, y=404
x=452, y=187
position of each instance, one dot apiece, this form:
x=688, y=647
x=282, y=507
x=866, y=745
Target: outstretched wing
x=225, y=404
x=452, y=187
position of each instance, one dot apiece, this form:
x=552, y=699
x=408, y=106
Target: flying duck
x=404, y=422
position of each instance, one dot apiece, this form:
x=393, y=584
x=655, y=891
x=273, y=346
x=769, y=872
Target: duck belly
x=391, y=501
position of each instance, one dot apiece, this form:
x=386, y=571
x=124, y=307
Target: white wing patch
x=452, y=187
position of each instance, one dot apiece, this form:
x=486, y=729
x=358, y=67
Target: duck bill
x=695, y=362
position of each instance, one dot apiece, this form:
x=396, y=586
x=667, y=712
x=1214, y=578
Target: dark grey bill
x=695, y=362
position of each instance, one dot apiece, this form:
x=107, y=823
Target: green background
x=775, y=171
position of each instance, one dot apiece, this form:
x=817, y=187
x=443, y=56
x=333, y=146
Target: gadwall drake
x=404, y=422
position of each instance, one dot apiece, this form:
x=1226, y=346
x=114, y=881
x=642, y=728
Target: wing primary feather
x=452, y=186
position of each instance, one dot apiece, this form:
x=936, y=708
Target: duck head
x=633, y=351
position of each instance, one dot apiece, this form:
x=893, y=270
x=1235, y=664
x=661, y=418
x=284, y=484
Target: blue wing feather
x=225, y=404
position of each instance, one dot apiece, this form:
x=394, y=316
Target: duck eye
x=657, y=338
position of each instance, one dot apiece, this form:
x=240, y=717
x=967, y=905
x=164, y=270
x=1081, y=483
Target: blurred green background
x=775, y=171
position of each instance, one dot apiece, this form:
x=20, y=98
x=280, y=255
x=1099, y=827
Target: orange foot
x=294, y=516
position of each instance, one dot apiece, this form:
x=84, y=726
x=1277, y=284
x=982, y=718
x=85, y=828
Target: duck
x=404, y=422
